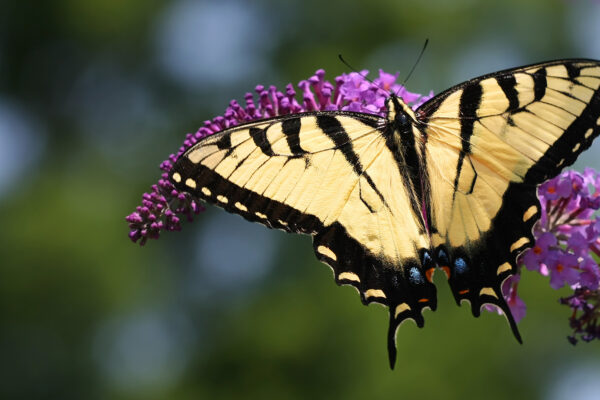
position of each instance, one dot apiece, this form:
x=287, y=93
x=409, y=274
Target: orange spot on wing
x=429, y=274
x=463, y=291
x=446, y=271
x=423, y=300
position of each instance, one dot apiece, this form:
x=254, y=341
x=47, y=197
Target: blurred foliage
x=86, y=314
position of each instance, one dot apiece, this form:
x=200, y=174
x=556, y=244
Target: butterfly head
x=399, y=112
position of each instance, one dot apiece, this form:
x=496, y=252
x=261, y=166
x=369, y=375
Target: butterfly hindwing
x=331, y=175
x=490, y=142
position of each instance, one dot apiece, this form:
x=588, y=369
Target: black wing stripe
x=539, y=84
x=332, y=127
x=508, y=85
x=224, y=142
x=260, y=139
x=572, y=70
x=470, y=100
x=291, y=129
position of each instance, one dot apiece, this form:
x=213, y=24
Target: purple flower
x=567, y=240
x=535, y=258
x=555, y=188
x=590, y=274
x=567, y=230
x=585, y=304
x=564, y=269
x=578, y=243
x=515, y=303
x=163, y=208
x=509, y=289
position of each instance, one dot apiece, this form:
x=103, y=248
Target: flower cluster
x=586, y=312
x=164, y=207
x=567, y=237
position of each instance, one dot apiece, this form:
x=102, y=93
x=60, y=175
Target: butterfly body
x=388, y=200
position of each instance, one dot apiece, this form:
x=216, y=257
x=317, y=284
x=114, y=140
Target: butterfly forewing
x=331, y=175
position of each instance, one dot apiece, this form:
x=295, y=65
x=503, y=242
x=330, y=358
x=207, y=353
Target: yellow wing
x=331, y=175
x=490, y=142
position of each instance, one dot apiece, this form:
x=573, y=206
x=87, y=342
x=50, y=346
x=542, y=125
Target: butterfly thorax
x=407, y=136
x=407, y=143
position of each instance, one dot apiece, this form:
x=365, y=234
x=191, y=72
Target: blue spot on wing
x=415, y=276
x=426, y=258
x=442, y=257
x=460, y=266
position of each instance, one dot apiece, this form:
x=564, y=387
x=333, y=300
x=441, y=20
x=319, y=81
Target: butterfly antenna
x=416, y=62
x=355, y=70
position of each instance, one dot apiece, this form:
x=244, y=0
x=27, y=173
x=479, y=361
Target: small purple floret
x=515, y=303
x=585, y=304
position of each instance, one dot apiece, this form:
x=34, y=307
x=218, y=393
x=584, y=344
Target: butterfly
x=450, y=186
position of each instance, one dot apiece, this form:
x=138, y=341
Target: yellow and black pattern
x=333, y=175
x=386, y=200
x=490, y=142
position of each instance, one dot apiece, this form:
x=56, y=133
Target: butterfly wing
x=490, y=142
x=331, y=175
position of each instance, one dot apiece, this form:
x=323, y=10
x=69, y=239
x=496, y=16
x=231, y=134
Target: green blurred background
x=94, y=94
